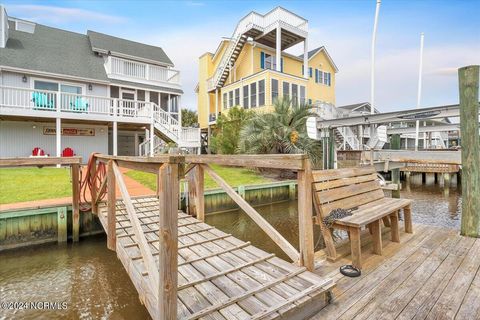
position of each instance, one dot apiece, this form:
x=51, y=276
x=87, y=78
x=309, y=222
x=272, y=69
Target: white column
x=152, y=132
x=136, y=153
x=179, y=108
x=278, y=56
x=115, y=138
x=305, y=61
x=58, y=137
x=169, y=106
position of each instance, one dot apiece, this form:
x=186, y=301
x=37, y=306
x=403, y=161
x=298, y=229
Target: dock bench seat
x=359, y=190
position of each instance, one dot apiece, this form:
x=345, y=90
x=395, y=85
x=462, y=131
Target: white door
x=127, y=102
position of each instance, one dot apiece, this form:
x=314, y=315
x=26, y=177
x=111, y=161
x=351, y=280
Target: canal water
x=92, y=283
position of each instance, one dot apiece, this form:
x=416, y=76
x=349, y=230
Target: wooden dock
x=219, y=276
x=431, y=274
x=431, y=168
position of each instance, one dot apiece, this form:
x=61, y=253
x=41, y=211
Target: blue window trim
x=310, y=72
x=262, y=60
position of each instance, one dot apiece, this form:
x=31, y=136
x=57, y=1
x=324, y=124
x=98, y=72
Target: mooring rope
x=87, y=181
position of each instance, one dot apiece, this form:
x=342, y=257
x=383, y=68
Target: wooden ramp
x=219, y=276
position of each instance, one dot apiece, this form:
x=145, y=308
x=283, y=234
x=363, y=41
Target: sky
x=188, y=29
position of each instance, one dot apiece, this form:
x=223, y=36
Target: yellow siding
x=247, y=70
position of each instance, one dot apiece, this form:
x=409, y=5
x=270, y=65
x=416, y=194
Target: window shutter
x=303, y=72
x=262, y=60
x=310, y=72
x=316, y=75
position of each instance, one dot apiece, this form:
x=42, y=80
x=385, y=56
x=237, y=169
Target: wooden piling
x=395, y=145
x=168, y=185
x=469, y=87
x=62, y=224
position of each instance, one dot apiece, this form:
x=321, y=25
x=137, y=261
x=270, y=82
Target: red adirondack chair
x=68, y=152
x=38, y=152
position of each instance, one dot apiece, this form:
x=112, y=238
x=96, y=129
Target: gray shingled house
x=63, y=92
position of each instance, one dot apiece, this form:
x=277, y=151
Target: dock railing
x=169, y=170
x=74, y=164
x=198, y=165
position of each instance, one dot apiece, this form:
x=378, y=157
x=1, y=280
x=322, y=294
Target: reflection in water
x=87, y=276
x=94, y=284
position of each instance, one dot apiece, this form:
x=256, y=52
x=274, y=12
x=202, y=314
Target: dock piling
x=469, y=86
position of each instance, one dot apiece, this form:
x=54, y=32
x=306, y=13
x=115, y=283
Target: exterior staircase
x=256, y=26
x=168, y=130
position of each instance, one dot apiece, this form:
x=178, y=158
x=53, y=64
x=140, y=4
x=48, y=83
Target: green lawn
x=233, y=176
x=27, y=184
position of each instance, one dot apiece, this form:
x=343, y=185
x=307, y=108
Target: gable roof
x=313, y=53
x=52, y=50
x=104, y=43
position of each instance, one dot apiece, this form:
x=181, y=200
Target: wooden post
x=62, y=224
x=305, y=215
x=291, y=191
x=93, y=192
x=469, y=83
x=196, y=197
x=395, y=145
x=75, y=202
x=168, y=240
x=111, y=209
x=446, y=183
x=331, y=149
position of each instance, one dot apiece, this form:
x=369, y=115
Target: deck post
x=75, y=202
x=115, y=138
x=278, y=49
x=196, y=204
x=469, y=86
x=331, y=149
x=58, y=137
x=111, y=209
x=305, y=215
x=395, y=145
x=168, y=240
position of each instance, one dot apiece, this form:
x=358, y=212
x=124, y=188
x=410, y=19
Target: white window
x=245, y=96
x=261, y=93
x=274, y=90
x=253, y=95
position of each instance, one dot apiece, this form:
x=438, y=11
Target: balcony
x=128, y=70
x=53, y=104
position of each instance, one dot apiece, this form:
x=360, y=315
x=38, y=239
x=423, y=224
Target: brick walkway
x=134, y=189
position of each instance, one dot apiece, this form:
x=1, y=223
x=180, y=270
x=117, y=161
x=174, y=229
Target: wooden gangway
x=184, y=268
x=219, y=276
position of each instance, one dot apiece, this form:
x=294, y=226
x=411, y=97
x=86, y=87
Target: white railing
x=143, y=71
x=144, y=147
x=43, y=100
x=260, y=22
x=190, y=135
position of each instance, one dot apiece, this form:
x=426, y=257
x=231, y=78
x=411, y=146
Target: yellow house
x=251, y=69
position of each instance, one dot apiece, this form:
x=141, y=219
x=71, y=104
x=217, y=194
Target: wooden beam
x=469, y=87
x=167, y=158
x=75, y=202
x=305, y=216
x=33, y=161
x=111, y=209
x=445, y=157
x=196, y=197
x=278, y=161
x=252, y=213
x=168, y=240
x=148, y=260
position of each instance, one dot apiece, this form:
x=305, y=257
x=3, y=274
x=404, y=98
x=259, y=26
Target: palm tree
x=281, y=131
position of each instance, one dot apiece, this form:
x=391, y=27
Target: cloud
x=58, y=15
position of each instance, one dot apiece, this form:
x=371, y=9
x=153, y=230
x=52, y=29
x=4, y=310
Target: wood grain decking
x=219, y=276
x=432, y=274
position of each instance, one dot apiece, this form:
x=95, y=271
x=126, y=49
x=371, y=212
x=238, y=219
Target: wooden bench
x=357, y=188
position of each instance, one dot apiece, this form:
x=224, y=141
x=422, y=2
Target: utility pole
x=372, y=70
